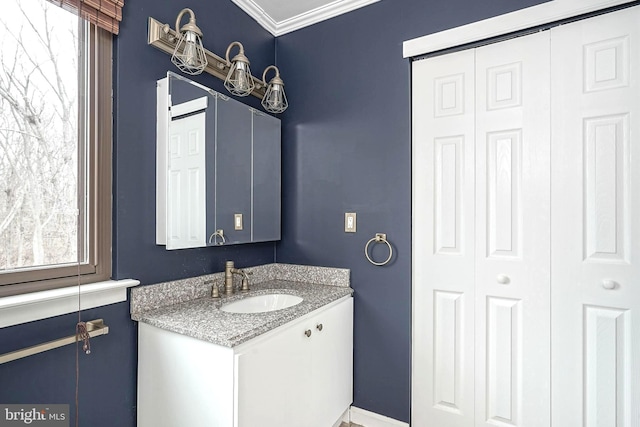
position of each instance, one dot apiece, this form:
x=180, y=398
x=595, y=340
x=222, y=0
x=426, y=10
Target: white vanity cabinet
x=299, y=374
x=302, y=375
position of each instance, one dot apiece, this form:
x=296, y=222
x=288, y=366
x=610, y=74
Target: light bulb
x=242, y=80
x=276, y=96
x=190, y=50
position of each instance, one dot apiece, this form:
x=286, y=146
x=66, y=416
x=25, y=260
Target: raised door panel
x=504, y=360
x=595, y=228
x=331, y=364
x=512, y=362
x=443, y=228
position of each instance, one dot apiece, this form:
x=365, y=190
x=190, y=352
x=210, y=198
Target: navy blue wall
x=108, y=375
x=347, y=148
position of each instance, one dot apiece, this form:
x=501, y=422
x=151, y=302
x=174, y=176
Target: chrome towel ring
x=379, y=238
x=218, y=233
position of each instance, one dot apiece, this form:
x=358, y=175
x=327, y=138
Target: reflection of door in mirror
x=217, y=168
x=186, y=183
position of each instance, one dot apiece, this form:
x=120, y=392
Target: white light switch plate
x=237, y=221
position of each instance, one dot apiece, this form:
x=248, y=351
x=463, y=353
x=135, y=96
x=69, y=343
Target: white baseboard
x=371, y=419
x=344, y=418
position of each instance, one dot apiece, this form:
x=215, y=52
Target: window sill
x=25, y=308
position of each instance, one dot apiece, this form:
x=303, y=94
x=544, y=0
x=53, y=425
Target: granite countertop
x=202, y=318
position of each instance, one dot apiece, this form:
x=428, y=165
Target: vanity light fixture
x=275, y=100
x=190, y=56
x=239, y=80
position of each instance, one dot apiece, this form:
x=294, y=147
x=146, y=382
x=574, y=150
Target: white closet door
x=596, y=222
x=443, y=230
x=512, y=233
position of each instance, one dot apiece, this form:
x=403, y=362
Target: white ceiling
x=283, y=16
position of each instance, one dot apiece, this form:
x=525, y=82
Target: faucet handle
x=215, y=291
x=245, y=284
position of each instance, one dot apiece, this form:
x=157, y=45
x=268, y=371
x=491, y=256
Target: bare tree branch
x=38, y=145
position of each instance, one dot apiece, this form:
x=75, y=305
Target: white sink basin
x=262, y=303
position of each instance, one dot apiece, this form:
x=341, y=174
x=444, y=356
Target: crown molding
x=257, y=13
x=278, y=28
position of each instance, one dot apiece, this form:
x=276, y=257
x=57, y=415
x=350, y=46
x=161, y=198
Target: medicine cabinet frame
x=218, y=168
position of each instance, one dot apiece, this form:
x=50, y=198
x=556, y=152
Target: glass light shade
x=275, y=100
x=189, y=54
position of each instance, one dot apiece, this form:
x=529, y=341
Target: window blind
x=106, y=14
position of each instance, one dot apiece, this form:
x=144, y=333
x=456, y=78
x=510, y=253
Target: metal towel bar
x=379, y=238
x=94, y=327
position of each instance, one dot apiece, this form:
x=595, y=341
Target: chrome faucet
x=229, y=271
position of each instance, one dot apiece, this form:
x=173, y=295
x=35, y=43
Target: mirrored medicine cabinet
x=218, y=168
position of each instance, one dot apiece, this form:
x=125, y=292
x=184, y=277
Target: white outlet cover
x=350, y=222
